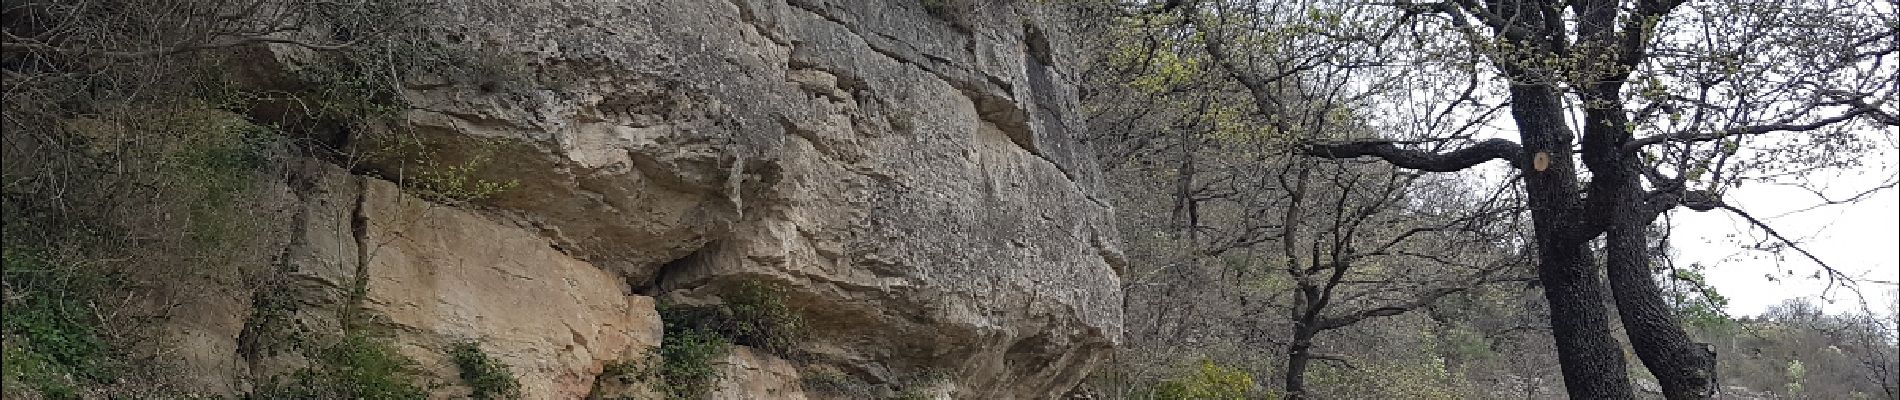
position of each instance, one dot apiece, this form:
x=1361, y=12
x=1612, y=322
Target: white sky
x=1861, y=239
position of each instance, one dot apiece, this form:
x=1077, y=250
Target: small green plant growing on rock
x=697, y=337
x=356, y=367
x=834, y=383
x=753, y=314
x=689, y=363
x=433, y=173
x=490, y=379
x=921, y=385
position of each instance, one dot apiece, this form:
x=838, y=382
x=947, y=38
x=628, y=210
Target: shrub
x=356, y=367
x=697, y=336
x=754, y=314
x=23, y=370
x=48, y=309
x=689, y=363
x=1208, y=381
x=490, y=379
x=920, y=385
x=1423, y=377
x=834, y=383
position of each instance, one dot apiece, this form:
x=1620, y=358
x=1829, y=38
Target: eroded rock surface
x=425, y=276
x=909, y=171
x=438, y=275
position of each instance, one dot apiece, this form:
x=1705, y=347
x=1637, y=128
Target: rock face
x=908, y=170
x=428, y=276
x=440, y=274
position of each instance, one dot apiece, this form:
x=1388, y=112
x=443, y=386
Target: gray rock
x=911, y=173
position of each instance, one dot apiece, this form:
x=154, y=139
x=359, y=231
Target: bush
x=689, y=363
x=1408, y=378
x=920, y=385
x=835, y=384
x=697, y=336
x=356, y=367
x=754, y=314
x=49, y=324
x=23, y=370
x=1208, y=381
x=489, y=379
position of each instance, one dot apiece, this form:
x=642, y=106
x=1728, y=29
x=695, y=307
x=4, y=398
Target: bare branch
x=1863, y=109
x=133, y=55
x=1832, y=272
x=1493, y=149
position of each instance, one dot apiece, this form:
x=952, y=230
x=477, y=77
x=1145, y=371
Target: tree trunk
x=1591, y=358
x=1684, y=368
x=1299, y=354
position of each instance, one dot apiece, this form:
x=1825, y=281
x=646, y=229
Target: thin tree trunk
x=1308, y=301
x=1299, y=354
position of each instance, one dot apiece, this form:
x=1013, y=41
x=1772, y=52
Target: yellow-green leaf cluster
x=1208, y=381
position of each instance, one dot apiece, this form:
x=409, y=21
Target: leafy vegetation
x=690, y=363
x=355, y=367
x=52, y=328
x=831, y=382
x=490, y=379
x=699, y=337
x=23, y=370
x=425, y=169
x=1207, y=381
x=751, y=313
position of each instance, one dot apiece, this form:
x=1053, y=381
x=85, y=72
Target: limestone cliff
x=908, y=170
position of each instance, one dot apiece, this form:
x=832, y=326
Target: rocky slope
x=907, y=170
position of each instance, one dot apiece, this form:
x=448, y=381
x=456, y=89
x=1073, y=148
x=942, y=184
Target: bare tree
x=1235, y=236
x=1380, y=245
x=1664, y=103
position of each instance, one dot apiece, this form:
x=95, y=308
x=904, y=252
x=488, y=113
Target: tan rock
x=910, y=174
x=751, y=374
x=439, y=274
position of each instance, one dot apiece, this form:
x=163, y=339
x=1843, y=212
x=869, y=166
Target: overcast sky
x=1861, y=239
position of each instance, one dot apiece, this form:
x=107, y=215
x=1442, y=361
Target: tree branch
x=25, y=46
x=1758, y=223
x=1862, y=109
x=1424, y=299
x=1494, y=149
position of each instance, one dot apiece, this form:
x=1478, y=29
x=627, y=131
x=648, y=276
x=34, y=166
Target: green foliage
x=490, y=379
x=1796, y=373
x=753, y=314
x=1405, y=378
x=356, y=367
x=48, y=320
x=433, y=173
x=1161, y=70
x=689, y=363
x=834, y=383
x=23, y=370
x=1696, y=302
x=1463, y=343
x=919, y=385
x=1207, y=381
x=698, y=337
